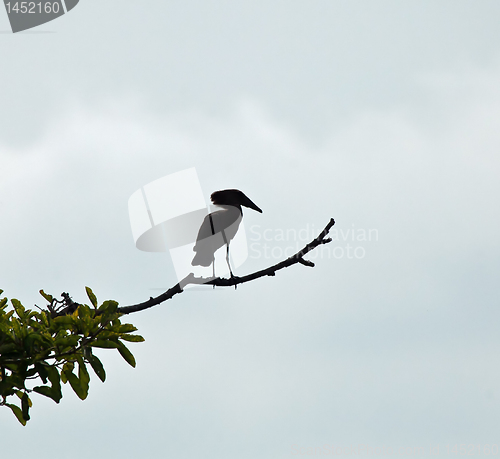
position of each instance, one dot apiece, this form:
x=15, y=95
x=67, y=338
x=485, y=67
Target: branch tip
x=306, y=262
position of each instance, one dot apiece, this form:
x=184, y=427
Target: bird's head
x=233, y=198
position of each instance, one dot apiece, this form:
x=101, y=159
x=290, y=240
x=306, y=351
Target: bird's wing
x=207, y=242
x=205, y=231
x=226, y=220
x=217, y=229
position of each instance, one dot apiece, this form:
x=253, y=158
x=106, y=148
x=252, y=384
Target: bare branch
x=222, y=282
x=69, y=306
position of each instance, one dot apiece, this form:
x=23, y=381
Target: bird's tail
x=203, y=258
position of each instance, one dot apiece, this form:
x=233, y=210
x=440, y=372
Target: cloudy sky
x=381, y=114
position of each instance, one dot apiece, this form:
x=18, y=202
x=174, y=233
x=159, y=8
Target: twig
x=70, y=306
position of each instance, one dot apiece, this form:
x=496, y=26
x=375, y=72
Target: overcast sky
x=380, y=114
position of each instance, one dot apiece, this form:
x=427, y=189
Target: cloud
x=353, y=349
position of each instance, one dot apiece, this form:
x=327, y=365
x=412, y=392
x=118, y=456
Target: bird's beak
x=251, y=205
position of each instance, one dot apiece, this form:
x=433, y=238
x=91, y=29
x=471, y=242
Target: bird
x=220, y=227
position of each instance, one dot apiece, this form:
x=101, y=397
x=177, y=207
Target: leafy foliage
x=48, y=347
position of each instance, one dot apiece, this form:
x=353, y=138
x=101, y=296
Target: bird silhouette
x=220, y=227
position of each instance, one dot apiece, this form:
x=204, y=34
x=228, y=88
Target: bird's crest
x=222, y=197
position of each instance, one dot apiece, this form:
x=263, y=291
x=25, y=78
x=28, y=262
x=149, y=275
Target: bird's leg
x=213, y=270
x=227, y=254
x=227, y=260
x=228, y=264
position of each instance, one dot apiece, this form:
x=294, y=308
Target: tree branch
x=222, y=282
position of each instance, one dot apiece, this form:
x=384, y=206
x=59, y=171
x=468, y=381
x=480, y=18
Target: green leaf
x=132, y=338
x=108, y=336
x=126, y=328
x=64, y=320
x=42, y=371
x=67, y=341
x=6, y=348
x=77, y=385
x=55, y=379
x=48, y=297
x=44, y=318
x=126, y=354
x=84, y=312
x=19, y=308
x=108, y=307
x=83, y=374
x=30, y=340
x=105, y=344
x=48, y=392
x=97, y=367
x=67, y=368
x=21, y=395
x=17, y=411
x=25, y=404
x=91, y=296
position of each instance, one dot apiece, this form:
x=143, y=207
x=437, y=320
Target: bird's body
x=220, y=227
x=216, y=226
